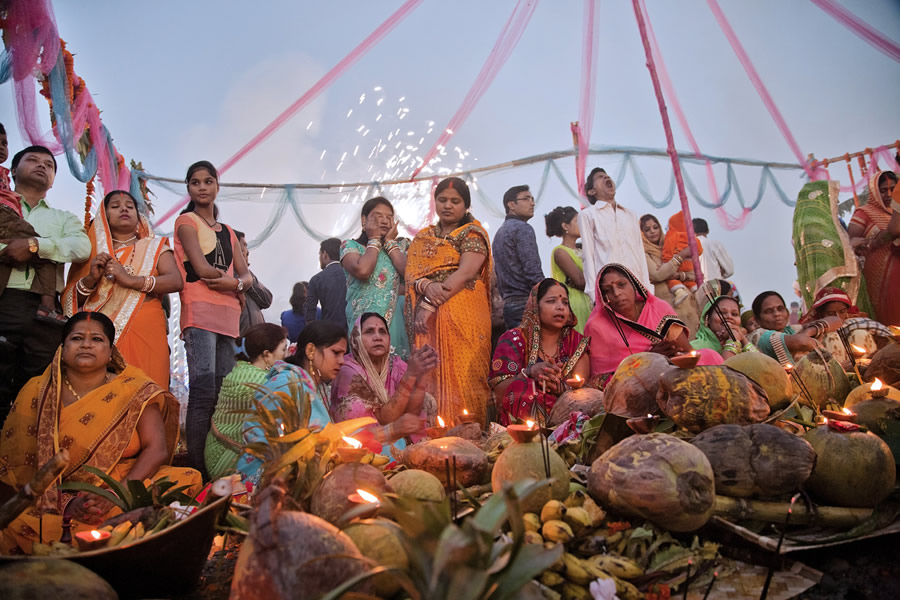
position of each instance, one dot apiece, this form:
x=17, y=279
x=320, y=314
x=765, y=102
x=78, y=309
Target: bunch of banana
x=618, y=566
x=376, y=460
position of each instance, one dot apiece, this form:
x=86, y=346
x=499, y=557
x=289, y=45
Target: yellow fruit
x=533, y=537
x=559, y=565
x=367, y=458
x=627, y=591
x=379, y=460
x=118, y=533
x=553, y=511
x=619, y=566
x=532, y=522
x=597, y=514
x=576, y=498
x=578, y=519
x=138, y=531
x=574, y=592
x=106, y=528
x=552, y=579
x=557, y=531
x=575, y=570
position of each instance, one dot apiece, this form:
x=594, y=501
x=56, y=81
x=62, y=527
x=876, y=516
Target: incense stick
x=615, y=320
x=712, y=581
x=774, y=563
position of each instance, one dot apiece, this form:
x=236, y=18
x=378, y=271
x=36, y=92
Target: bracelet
x=83, y=289
x=732, y=347
x=678, y=260
x=748, y=347
x=427, y=306
x=374, y=243
x=149, y=284
x=421, y=285
x=391, y=245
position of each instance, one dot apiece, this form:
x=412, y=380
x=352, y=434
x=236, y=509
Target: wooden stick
x=761, y=510
x=34, y=489
x=850, y=155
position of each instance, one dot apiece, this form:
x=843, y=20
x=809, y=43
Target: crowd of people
x=400, y=330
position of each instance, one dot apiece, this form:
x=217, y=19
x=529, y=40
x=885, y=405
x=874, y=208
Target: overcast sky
x=183, y=81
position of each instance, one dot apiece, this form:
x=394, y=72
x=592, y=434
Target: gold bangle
x=427, y=306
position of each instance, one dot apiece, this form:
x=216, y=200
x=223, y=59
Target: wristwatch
x=240, y=287
x=32, y=245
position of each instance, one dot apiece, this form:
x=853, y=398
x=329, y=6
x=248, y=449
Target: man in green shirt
x=27, y=344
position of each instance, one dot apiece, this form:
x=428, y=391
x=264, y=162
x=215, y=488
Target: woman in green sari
x=720, y=328
x=565, y=261
x=264, y=345
x=374, y=264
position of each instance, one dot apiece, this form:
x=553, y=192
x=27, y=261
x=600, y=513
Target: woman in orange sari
x=128, y=272
x=448, y=307
x=871, y=239
x=108, y=415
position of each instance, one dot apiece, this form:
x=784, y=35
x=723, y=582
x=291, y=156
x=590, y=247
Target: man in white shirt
x=610, y=233
x=715, y=262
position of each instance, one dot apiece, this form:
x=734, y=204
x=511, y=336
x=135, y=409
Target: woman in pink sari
x=375, y=382
x=627, y=319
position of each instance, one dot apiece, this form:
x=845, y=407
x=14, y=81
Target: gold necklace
x=132, y=238
x=76, y=394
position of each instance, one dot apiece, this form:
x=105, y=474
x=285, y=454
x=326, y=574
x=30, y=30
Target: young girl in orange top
x=676, y=241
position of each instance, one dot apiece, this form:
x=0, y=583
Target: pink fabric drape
x=312, y=93
x=506, y=43
x=860, y=28
x=590, y=38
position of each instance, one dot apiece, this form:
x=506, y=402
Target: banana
x=532, y=522
x=574, y=486
x=614, y=538
x=138, y=531
x=553, y=511
x=575, y=498
x=552, y=579
x=118, y=533
x=106, y=528
x=627, y=591
x=379, y=460
x=574, y=592
x=575, y=570
x=533, y=537
x=595, y=571
x=618, y=566
x=557, y=531
x=367, y=458
x=578, y=519
x=597, y=514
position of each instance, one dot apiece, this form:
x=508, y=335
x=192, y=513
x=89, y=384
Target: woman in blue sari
x=374, y=264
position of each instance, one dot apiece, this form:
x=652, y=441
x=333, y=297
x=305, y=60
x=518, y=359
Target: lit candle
x=878, y=389
x=857, y=351
x=522, y=433
x=363, y=498
x=575, y=382
x=643, y=424
x=465, y=417
x=91, y=540
x=439, y=431
x=352, y=452
x=845, y=414
x=686, y=361
x=440, y=422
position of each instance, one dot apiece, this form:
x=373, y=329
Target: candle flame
x=367, y=496
x=847, y=411
x=440, y=422
x=876, y=385
x=465, y=412
x=693, y=353
x=649, y=416
x=788, y=368
x=577, y=377
x=857, y=350
x=352, y=442
x=281, y=430
x=529, y=424
x=95, y=534
x=825, y=421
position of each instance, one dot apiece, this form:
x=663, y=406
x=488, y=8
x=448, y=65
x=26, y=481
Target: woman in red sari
x=532, y=361
x=871, y=239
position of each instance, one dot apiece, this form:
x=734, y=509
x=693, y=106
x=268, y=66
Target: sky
x=178, y=82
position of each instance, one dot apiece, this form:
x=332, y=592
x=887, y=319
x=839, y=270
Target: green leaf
x=530, y=562
x=116, y=487
x=466, y=584
x=297, y=452
x=139, y=494
x=83, y=486
x=397, y=572
x=493, y=512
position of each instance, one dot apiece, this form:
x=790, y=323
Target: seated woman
x=779, y=340
x=721, y=330
x=626, y=319
x=858, y=329
x=264, y=345
x=532, y=361
x=375, y=382
x=106, y=414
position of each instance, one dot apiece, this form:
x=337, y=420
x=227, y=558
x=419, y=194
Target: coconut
x=417, y=484
x=885, y=366
x=768, y=373
x=657, y=477
x=852, y=469
x=824, y=378
x=871, y=412
x=586, y=400
x=330, y=500
x=633, y=388
x=471, y=462
x=289, y=570
x=526, y=461
x=53, y=578
x=378, y=541
x=497, y=442
x=756, y=460
x=467, y=431
x=703, y=397
x=861, y=393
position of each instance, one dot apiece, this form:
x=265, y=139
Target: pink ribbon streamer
x=860, y=28
x=509, y=38
x=312, y=93
x=670, y=144
x=589, y=41
x=762, y=91
x=727, y=221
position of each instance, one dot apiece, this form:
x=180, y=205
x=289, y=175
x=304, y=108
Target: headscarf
x=531, y=324
x=875, y=200
x=616, y=337
x=706, y=337
x=716, y=288
x=823, y=297
x=652, y=250
x=377, y=378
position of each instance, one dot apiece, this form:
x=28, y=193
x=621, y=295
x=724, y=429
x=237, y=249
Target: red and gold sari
x=461, y=328
x=99, y=430
x=138, y=316
x=882, y=266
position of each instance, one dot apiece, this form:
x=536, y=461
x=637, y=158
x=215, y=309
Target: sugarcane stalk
x=761, y=510
x=34, y=489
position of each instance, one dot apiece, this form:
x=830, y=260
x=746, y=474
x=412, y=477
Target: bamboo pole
x=761, y=510
x=862, y=153
x=34, y=489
